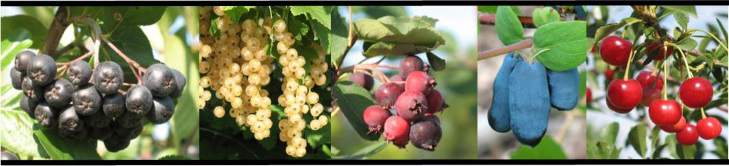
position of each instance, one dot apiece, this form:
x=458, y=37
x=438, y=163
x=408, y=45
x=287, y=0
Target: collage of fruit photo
x=363, y=82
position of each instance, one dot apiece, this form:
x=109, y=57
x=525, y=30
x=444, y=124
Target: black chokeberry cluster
x=91, y=103
x=413, y=99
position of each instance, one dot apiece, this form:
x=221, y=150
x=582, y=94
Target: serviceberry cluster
x=239, y=58
x=406, y=106
x=91, y=103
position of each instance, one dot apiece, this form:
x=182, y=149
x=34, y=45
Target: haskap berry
x=709, y=128
x=387, y=94
x=696, y=92
x=688, y=136
x=375, y=117
x=80, y=108
x=397, y=131
x=615, y=50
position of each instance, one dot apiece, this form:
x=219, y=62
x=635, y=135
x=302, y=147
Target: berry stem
x=133, y=64
x=665, y=80
x=627, y=67
x=703, y=113
x=715, y=38
x=490, y=19
x=685, y=62
x=526, y=43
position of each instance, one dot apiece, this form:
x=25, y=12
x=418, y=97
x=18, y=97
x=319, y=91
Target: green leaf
x=352, y=100
x=637, y=138
x=681, y=19
x=544, y=15
x=112, y=18
x=687, y=43
x=394, y=49
x=654, y=136
x=508, y=27
x=185, y=120
x=563, y=45
x=611, y=133
x=58, y=148
x=720, y=144
x=436, y=63
x=686, y=151
x=606, y=30
x=416, y=33
x=380, y=11
x=547, y=149
x=338, y=39
x=235, y=12
x=173, y=157
x=682, y=9
x=366, y=151
x=487, y=9
x=17, y=134
x=21, y=27
x=134, y=43
x=318, y=13
x=143, y=15
x=9, y=49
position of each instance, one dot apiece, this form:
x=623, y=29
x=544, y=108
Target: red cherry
x=696, y=92
x=588, y=96
x=688, y=136
x=609, y=74
x=615, y=50
x=659, y=50
x=652, y=86
x=675, y=127
x=709, y=128
x=624, y=94
x=617, y=109
x=665, y=112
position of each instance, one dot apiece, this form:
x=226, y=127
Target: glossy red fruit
x=609, y=73
x=397, y=131
x=411, y=105
x=658, y=50
x=588, y=96
x=615, y=50
x=709, y=128
x=375, y=116
x=617, y=109
x=418, y=81
x=435, y=102
x=696, y=92
x=625, y=94
x=688, y=136
x=675, y=127
x=665, y=112
x=387, y=94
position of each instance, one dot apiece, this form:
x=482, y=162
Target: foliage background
x=456, y=83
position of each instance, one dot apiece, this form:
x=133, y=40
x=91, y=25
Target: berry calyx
x=709, y=128
x=696, y=92
x=397, y=130
x=411, y=105
x=79, y=73
x=624, y=94
x=387, y=94
x=615, y=50
x=665, y=112
x=86, y=101
x=41, y=70
x=688, y=136
x=375, y=116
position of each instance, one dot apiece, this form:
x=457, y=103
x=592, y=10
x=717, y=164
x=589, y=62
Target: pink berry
x=375, y=117
x=418, y=81
x=411, y=105
x=397, y=130
x=387, y=94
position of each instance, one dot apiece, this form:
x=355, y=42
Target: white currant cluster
x=236, y=64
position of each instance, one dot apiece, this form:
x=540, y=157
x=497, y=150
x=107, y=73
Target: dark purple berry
x=363, y=80
x=70, y=121
x=138, y=100
x=181, y=82
x=409, y=64
x=79, y=73
x=100, y=133
x=426, y=134
x=59, y=93
x=87, y=101
x=387, y=94
x=163, y=110
x=22, y=60
x=113, y=105
x=28, y=105
x=108, y=77
x=45, y=115
x=41, y=70
x=16, y=77
x=30, y=91
x=160, y=80
x=97, y=120
x=115, y=143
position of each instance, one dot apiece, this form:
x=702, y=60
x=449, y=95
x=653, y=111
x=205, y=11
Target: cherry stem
x=665, y=81
x=627, y=68
x=683, y=56
x=703, y=114
x=133, y=64
x=526, y=43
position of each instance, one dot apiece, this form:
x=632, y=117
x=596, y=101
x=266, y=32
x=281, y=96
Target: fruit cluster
x=625, y=94
x=518, y=81
x=414, y=99
x=241, y=59
x=91, y=104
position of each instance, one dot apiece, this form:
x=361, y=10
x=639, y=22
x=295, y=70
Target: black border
x=360, y=162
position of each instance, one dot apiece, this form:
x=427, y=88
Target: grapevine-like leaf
x=318, y=13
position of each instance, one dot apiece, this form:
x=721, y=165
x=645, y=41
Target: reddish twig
x=490, y=19
x=526, y=43
x=133, y=64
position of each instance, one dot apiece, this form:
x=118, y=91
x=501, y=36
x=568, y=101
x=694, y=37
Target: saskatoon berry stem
x=526, y=43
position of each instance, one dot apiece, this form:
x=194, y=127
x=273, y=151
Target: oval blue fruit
x=498, y=115
x=528, y=102
x=564, y=89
